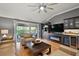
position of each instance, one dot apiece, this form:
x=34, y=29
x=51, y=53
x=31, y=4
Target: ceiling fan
x=43, y=6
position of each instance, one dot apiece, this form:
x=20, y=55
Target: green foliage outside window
x=22, y=29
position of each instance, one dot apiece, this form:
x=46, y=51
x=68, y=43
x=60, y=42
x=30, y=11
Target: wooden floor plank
x=11, y=50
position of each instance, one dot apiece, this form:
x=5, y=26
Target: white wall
x=6, y=23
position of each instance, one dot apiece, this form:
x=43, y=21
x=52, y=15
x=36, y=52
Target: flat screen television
x=58, y=27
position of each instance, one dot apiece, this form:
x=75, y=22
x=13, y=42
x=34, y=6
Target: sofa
x=7, y=39
x=25, y=38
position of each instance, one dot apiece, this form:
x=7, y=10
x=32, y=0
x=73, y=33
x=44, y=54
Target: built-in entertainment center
x=69, y=39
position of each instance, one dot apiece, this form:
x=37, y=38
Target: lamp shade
x=4, y=31
x=46, y=26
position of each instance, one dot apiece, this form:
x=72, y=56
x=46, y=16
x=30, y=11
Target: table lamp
x=4, y=32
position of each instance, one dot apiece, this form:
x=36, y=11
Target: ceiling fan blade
x=35, y=9
x=45, y=10
x=32, y=6
x=42, y=4
x=52, y=4
x=50, y=8
x=39, y=11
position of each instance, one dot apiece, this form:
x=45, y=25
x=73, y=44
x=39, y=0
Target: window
x=19, y=30
x=33, y=29
x=27, y=29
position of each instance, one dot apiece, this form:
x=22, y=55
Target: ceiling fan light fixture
x=41, y=8
x=44, y=7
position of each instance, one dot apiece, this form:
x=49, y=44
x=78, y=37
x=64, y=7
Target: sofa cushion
x=26, y=35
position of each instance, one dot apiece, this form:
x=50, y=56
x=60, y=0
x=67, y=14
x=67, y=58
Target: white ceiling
x=23, y=12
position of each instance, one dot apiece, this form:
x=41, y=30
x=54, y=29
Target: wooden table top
x=37, y=48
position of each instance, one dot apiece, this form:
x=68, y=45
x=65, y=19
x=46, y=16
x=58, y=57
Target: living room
x=39, y=29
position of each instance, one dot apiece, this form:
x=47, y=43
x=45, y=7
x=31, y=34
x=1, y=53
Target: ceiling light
x=42, y=8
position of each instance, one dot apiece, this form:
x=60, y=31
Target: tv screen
x=58, y=28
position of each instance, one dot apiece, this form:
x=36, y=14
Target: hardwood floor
x=24, y=52
x=9, y=49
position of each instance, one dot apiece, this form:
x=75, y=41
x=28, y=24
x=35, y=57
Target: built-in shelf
x=72, y=22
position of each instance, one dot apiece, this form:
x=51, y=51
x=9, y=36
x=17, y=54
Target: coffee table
x=38, y=48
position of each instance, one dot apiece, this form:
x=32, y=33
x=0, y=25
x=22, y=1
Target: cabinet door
x=66, y=40
x=73, y=42
x=71, y=23
x=78, y=42
x=77, y=22
x=66, y=23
